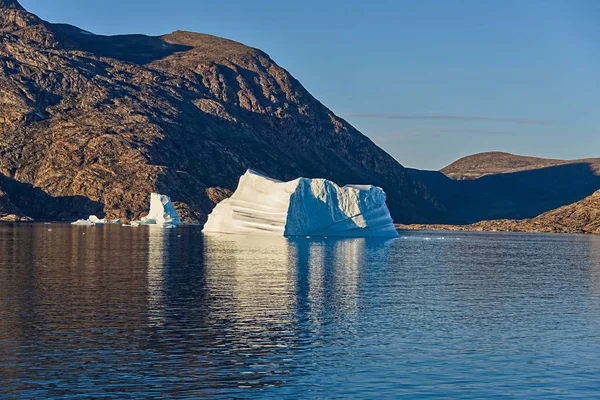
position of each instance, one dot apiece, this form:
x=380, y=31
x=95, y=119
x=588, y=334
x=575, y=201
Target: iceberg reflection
x=250, y=278
x=157, y=259
x=258, y=281
x=329, y=274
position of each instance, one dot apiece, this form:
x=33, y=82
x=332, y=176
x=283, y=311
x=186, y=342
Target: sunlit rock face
x=302, y=207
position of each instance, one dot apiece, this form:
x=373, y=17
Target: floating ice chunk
x=302, y=207
x=83, y=222
x=91, y=221
x=162, y=213
x=168, y=226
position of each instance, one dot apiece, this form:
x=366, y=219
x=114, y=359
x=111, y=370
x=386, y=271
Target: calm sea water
x=116, y=312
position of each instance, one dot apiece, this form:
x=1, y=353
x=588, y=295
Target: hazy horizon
x=429, y=82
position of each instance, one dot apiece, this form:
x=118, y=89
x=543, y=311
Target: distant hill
x=493, y=186
x=493, y=163
x=580, y=217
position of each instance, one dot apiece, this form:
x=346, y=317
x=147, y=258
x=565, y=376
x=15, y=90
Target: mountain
x=493, y=186
x=580, y=217
x=493, y=163
x=93, y=124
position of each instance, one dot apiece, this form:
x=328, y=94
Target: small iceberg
x=94, y=220
x=302, y=207
x=91, y=221
x=162, y=213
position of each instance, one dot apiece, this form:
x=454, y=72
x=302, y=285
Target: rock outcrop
x=111, y=119
x=6, y=206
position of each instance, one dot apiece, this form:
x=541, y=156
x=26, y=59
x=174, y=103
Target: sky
x=429, y=81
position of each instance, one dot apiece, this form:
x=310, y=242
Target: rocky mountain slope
x=493, y=163
x=93, y=124
x=580, y=217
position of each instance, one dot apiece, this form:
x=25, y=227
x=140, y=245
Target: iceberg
x=91, y=221
x=302, y=207
x=162, y=213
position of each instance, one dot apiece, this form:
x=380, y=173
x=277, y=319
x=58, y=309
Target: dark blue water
x=113, y=312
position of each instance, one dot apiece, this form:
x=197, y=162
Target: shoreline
x=496, y=226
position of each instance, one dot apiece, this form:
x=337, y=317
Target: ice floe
x=94, y=220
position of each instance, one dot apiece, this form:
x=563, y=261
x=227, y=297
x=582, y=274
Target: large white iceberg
x=302, y=207
x=162, y=212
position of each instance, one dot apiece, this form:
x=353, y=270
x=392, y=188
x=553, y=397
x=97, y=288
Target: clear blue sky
x=429, y=81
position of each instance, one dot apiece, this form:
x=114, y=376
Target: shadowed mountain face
x=111, y=119
x=580, y=217
x=516, y=195
x=138, y=49
x=18, y=198
x=14, y=4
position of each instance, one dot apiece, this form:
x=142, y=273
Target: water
x=115, y=312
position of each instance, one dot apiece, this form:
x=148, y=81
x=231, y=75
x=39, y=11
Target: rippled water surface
x=147, y=313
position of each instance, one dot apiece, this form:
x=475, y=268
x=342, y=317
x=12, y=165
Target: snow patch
x=86, y=33
x=302, y=207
